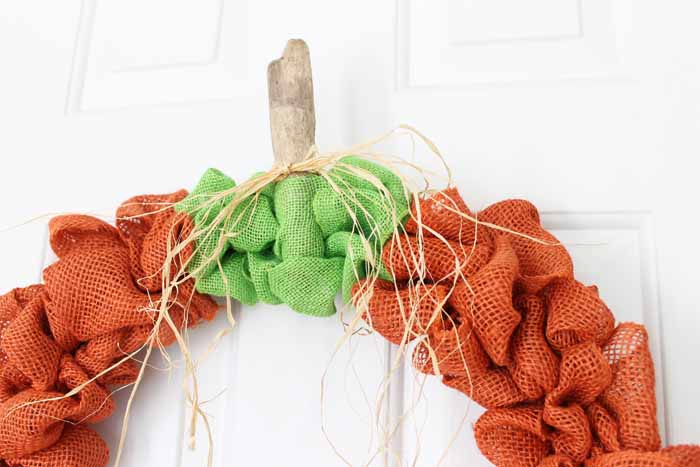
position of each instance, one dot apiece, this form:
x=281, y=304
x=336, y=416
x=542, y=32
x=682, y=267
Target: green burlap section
x=296, y=242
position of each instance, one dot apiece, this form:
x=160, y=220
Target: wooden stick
x=291, y=95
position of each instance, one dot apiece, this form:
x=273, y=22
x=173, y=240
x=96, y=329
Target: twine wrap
x=299, y=240
x=511, y=328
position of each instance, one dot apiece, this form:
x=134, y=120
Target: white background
x=589, y=108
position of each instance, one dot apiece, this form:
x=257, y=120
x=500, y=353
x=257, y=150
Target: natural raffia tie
x=520, y=336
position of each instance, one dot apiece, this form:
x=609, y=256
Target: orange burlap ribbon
x=519, y=335
x=95, y=307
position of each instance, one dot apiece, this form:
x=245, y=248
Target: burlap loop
x=676, y=456
x=96, y=306
x=295, y=241
x=540, y=264
x=522, y=429
x=557, y=460
x=409, y=314
x=630, y=397
x=521, y=337
x=576, y=314
x=78, y=447
x=535, y=366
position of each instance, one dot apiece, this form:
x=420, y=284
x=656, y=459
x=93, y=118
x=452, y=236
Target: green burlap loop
x=295, y=242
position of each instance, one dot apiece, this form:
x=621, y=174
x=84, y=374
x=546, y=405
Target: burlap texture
x=295, y=242
x=519, y=335
x=97, y=304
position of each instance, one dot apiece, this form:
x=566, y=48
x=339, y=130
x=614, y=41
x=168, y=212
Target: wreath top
x=501, y=318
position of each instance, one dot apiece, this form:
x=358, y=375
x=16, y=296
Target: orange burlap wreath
x=519, y=335
x=515, y=332
x=94, y=308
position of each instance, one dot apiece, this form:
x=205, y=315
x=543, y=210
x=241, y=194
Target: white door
x=588, y=108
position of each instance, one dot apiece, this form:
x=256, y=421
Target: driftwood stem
x=291, y=94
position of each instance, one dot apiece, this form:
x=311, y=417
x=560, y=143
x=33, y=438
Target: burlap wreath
x=562, y=384
x=94, y=307
x=513, y=330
